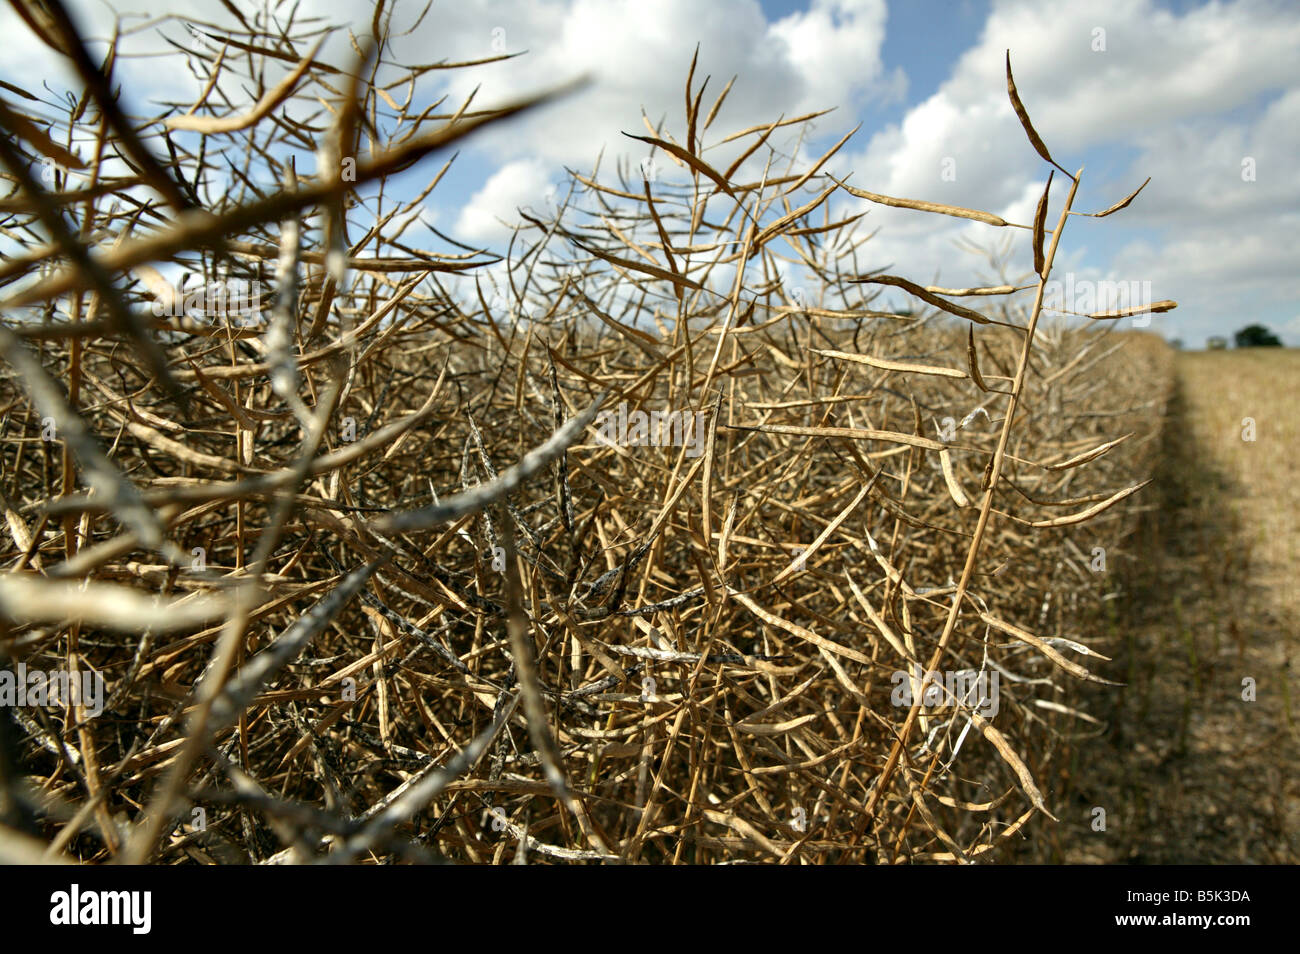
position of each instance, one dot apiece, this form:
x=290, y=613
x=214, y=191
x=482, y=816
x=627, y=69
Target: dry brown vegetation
x=409, y=607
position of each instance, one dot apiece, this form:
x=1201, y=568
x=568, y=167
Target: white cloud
x=521, y=183
x=1181, y=95
x=638, y=53
x=831, y=42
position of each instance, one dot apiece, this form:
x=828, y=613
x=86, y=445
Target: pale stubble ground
x=1187, y=769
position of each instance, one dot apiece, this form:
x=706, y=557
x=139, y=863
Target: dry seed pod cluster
x=618, y=550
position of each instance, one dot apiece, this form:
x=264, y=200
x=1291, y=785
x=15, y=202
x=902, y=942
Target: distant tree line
x=1252, y=336
x=1256, y=336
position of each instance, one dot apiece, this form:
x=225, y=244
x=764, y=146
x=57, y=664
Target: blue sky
x=1188, y=93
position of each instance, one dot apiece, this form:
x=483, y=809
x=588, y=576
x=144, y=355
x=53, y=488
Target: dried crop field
x=1198, y=761
x=633, y=555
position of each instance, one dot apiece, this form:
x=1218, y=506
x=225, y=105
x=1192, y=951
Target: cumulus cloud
x=1185, y=99
x=521, y=183
x=1202, y=99
x=636, y=55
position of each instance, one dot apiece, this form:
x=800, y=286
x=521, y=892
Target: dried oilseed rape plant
x=617, y=548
